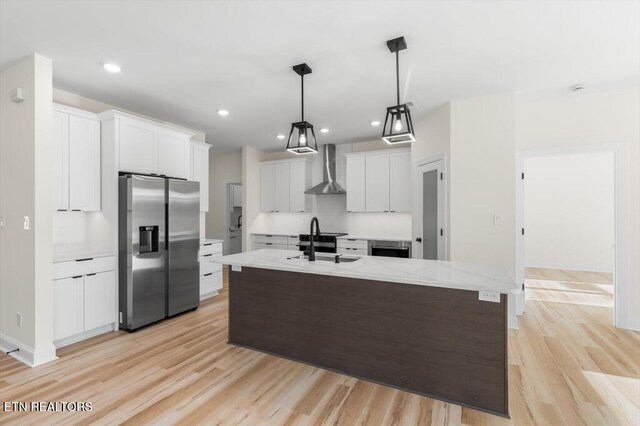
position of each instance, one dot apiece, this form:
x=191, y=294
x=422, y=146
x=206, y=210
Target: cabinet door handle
x=62, y=210
x=207, y=244
x=90, y=275
x=206, y=275
x=76, y=210
x=76, y=277
x=269, y=244
x=207, y=255
x=84, y=260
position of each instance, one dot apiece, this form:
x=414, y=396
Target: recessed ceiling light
x=324, y=130
x=280, y=136
x=223, y=112
x=111, y=67
x=375, y=123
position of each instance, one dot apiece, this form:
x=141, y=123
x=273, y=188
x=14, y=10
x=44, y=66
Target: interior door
x=429, y=242
x=183, y=229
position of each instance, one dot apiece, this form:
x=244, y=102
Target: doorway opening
x=233, y=218
x=570, y=235
x=429, y=223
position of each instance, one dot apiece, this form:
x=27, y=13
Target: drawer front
x=267, y=238
x=352, y=243
x=210, y=248
x=210, y=282
x=352, y=251
x=83, y=267
x=292, y=241
x=258, y=246
x=207, y=264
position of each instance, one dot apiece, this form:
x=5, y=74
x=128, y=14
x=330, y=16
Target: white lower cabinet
x=68, y=307
x=352, y=246
x=99, y=299
x=83, y=304
x=210, y=271
x=275, y=241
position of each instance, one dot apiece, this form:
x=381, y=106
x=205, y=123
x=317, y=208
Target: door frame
x=621, y=233
x=227, y=201
x=439, y=163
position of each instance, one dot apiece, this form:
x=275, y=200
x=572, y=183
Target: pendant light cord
x=397, y=78
x=302, y=100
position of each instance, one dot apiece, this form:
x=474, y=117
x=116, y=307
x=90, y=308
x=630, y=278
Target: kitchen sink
x=326, y=258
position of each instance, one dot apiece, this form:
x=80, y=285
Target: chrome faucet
x=312, y=249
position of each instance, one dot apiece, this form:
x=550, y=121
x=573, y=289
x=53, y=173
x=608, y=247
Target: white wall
x=433, y=138
x=251, y=159
x=25, y=190
x=569, y=208
x=593, y=119
x=222, y=170
x=482, y=180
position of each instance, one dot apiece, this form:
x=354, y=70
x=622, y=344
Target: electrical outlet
x=19, y=319
x=60, y=230
x=1, y=222
x=489, y=296
x=498, y=219
x=27, y=223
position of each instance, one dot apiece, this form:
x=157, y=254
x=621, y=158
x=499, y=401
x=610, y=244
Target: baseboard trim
x=209, y=295
x=582, y=268
x=26, y=354
x=84, y=335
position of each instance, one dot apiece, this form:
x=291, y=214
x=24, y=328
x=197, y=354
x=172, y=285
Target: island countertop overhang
x=433, y=273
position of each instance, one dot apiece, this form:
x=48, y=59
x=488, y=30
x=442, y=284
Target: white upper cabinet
x=76, y=160
x=268, y=187
x=173, y=154
x=282, y=186
x=200, y=171
x=138, y=147
x=400, y=182
x=237, y=195
x=297, y=180
x=356, y=183
x=148, y=147
x=377, y=183
x=60, y=160
x=84, y=164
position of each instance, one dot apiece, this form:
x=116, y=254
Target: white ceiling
x=184, y=60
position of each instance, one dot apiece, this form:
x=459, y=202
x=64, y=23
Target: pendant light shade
x=302, y=138
x=398, y=126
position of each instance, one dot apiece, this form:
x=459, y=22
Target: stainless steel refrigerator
x=159, y=238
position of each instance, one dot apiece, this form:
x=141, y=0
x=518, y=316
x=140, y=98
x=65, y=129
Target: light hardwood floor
x=568, y=365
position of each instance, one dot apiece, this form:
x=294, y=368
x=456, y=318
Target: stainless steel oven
x=325, y=243
x=390, y=248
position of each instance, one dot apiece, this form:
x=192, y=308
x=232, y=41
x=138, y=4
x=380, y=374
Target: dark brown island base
x=439, y=342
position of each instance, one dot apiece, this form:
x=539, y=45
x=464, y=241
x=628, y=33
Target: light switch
x=498, y=219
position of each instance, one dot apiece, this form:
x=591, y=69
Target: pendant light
x=302, y=139
x=398, y=127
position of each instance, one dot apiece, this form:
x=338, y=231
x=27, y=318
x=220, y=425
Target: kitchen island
x=413, y=324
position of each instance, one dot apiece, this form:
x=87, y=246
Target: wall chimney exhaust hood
x=328, y=185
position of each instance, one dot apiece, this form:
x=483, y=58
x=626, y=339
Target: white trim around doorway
x=621, y=233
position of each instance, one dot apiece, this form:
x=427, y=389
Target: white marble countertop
x=371, y=237
x=435, y=273
x=68, y=252
x=211, y=241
